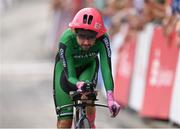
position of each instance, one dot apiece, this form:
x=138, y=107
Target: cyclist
x=77, y=63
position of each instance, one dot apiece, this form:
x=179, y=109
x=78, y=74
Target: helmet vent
x=85, y=19
x=90, y=19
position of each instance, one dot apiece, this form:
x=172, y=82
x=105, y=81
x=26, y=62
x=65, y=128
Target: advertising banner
x=123, y=74
x=175, y=101
x=160, y=76
x=140, y=67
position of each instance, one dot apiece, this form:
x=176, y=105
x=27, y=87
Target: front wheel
x=84, y=123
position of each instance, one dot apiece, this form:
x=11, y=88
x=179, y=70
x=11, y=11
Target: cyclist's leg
x=61, y=98
x=91, y=74
x=91, y=115
x=64, y=123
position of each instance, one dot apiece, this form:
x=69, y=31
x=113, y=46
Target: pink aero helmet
x=90, y=19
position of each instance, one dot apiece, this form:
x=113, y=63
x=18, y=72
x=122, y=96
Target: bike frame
x=80, y=111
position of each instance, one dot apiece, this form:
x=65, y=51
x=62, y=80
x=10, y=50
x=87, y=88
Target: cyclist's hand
x=114, y=107
x=79, y=85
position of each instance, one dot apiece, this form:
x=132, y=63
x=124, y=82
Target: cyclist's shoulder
x=67, y=36
x=104, y=39
x=104, y=36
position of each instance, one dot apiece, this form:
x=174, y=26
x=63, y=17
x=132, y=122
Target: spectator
x=147, y=13
x=176, y=6
x=171, y=17
x=158, y=8
x=138, y=5
x=61, y=16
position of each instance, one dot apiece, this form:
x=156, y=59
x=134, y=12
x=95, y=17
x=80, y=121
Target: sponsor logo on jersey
x=61, y=52
x=107, y=44
x=87, y=55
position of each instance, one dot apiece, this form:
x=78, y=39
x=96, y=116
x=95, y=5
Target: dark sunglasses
x=88, y=37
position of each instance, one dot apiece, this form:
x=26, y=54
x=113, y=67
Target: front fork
x=79, y=113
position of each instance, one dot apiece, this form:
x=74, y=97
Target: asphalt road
x=27, y=70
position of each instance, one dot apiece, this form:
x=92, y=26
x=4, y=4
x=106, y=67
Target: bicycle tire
x=84, y=123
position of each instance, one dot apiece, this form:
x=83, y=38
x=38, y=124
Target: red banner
x=123, y=74
x=160, y=76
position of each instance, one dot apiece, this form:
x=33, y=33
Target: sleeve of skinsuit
x=65, y=53
x=105, y=61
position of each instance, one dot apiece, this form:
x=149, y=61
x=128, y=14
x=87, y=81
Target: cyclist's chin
x=85, y=48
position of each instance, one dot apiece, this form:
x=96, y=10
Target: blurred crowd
x=120, y=16
x=5, y=4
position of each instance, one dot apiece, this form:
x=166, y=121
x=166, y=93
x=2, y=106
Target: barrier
x=140, y=67
x=175, y=104
x=117, y=42
x=124, y=71
x=160, y=77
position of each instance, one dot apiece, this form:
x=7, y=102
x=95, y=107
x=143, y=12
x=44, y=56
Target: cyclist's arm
x=105, y=61
x=68, y=64
x=65, y=53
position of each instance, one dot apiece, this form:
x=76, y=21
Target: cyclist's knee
x=90, y=110
x=91, y=114
x=64, y=123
